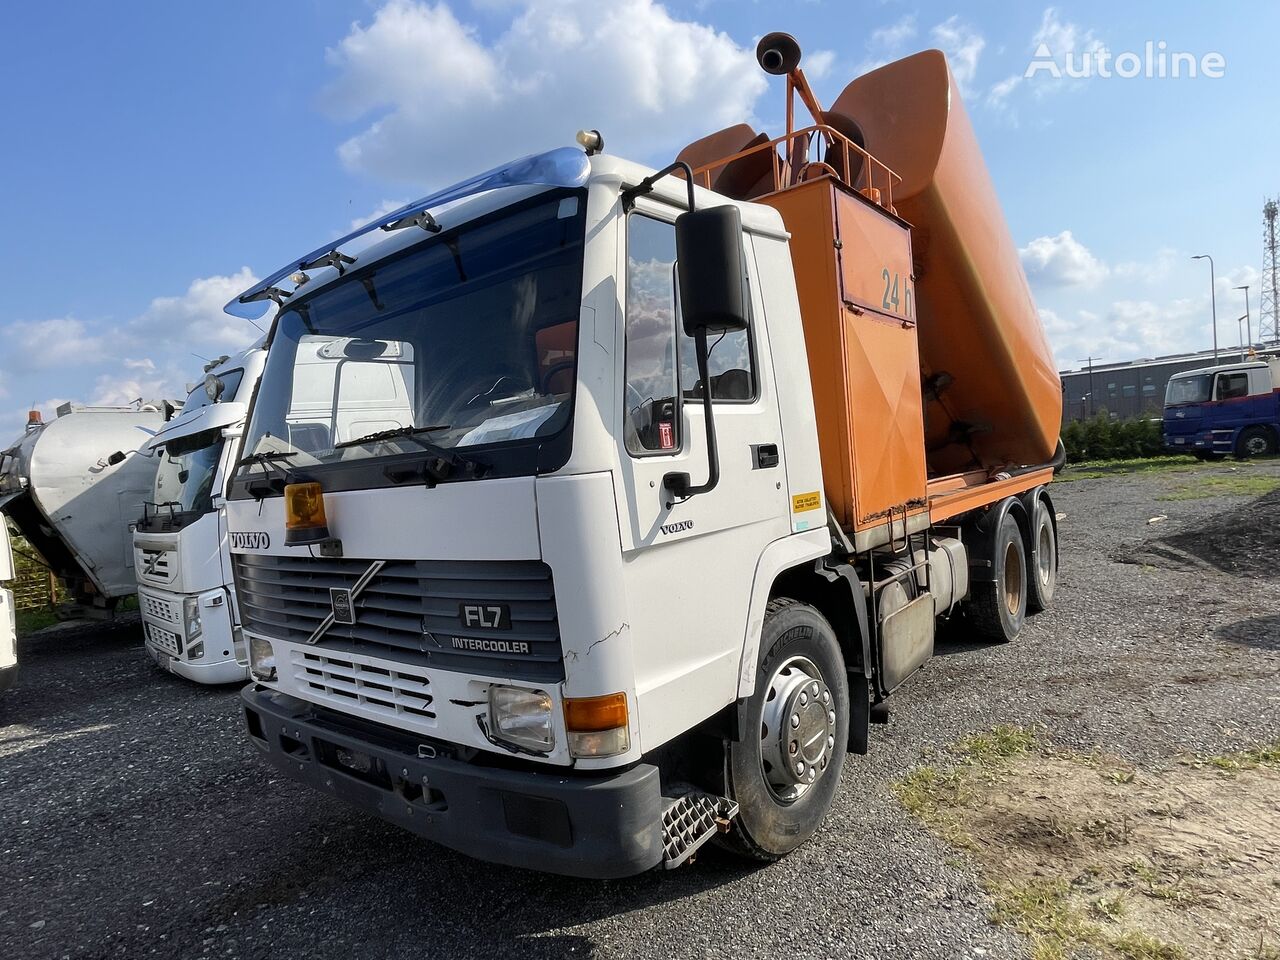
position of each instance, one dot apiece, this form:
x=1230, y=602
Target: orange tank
x=992, y=394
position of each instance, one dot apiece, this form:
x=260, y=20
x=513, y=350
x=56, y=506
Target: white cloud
x=195, y=319
x=144, y=365
x=818, y=64
x=888, y=43
x=447, y=103
x=1061, y=261
x=57, y=342
x=963, y=46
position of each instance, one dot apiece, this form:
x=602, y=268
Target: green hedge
x=1101, y=438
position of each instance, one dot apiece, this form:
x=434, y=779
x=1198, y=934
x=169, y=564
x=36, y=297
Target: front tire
x=1255, y=442
x=998, y=609
x=785, y=770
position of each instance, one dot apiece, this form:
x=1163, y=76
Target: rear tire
x=998, y=609
x=1255, y=442
x=1042, y=582
x=786, y=769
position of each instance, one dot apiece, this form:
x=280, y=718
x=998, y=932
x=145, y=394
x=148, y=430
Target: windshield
x=465, y=343
x=1188, y=389
x=186, y=472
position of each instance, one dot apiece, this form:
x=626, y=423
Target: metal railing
x=791, y=165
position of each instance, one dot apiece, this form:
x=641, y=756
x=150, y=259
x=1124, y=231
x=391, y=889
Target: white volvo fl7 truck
x=185, y=593
x=581, y=606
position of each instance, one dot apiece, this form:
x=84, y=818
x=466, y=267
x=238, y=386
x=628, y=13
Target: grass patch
x=29, y=621
x=1042, y=912
x=1086, y=853
x=1223, y=486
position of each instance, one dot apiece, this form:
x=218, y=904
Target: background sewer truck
x=189, y=619
x=695, y=460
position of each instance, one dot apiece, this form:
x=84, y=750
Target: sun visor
x=215, y=416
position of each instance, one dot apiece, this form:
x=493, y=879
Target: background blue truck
x=1229, y=409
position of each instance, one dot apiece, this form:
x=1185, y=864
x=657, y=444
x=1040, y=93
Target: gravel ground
x=136, y=821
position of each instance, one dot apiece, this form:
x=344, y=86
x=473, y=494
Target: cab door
x=690, y=563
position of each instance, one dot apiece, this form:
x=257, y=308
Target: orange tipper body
x=931, y=373
x=978, y=324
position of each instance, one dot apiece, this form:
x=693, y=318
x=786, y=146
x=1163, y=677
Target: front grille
x=164, y=639
x=409, y=610
x=343, y=683
x=154, y=564
x=159, y=608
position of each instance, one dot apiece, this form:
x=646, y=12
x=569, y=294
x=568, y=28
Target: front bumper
x=164, y=632
x=600, y=827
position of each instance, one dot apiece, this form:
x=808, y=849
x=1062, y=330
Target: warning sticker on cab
x=806, y=501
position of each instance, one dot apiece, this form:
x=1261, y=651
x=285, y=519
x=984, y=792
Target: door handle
x=765, y=455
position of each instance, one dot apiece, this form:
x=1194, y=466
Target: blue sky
x=158, y=157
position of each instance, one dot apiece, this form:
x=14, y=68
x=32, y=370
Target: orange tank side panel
x=883, y=373
x=875, y=258
x=882, y=361
x=978, y=322
x=864, y=365
x=808, y=213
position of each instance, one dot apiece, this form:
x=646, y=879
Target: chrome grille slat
x=410, y=608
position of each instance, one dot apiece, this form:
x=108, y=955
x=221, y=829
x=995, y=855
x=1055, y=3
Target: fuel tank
x=992, y=397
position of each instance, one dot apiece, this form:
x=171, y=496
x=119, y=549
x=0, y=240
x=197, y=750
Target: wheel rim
x=1044, y=553
x=797, y=730
x=1256, y=446
x=1012, y=578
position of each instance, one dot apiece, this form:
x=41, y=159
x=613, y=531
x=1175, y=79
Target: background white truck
x=189, y=618
x=685, y=479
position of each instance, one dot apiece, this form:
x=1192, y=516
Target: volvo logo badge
x=250, y=540
x=341, y=605
x=342, y=601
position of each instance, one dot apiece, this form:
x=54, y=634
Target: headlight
x=521, y=717
x=191, y=617
x=262, y=659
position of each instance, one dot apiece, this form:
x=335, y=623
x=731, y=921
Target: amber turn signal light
x=597, y=726
x=304, y=518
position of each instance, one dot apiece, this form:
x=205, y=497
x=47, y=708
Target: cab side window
x=728, y=367
x=1232, y=385
x=652, y=408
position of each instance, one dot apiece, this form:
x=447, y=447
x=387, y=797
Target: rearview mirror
x=116, y=458
x=712, y=273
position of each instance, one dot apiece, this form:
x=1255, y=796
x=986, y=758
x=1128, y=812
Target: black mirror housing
x=712, y=270
x=116, y=458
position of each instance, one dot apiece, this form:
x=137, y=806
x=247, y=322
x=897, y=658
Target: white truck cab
x=8, y=624
x=190, y=622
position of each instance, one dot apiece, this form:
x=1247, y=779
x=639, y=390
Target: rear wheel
x=786, y=769
x=1255, y=442
x=1043, y=579
x=997, y=609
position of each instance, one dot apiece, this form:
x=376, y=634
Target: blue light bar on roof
x=562, y=167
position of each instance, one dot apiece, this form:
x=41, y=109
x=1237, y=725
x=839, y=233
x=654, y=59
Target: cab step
x=690, y=820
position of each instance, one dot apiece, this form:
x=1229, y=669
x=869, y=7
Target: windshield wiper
x=268, y=457
x=396, y=433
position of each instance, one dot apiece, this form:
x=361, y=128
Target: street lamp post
x=1248, y=324
x=1213, y=300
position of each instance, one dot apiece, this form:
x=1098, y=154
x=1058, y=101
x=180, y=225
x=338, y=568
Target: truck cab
x=1229, y=409
x=190, y=622
x=8, y=623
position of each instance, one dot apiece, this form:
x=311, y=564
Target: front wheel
x=1255, y=442
x=785, y=770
